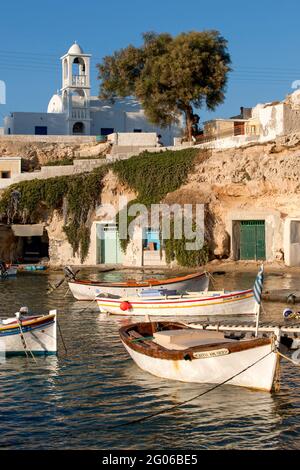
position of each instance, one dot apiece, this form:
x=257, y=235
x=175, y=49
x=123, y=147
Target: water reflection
x=73, y=400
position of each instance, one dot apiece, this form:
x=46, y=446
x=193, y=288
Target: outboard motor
x=24, y=310
x=69, y=273
x=3, y=270
x=291, y=299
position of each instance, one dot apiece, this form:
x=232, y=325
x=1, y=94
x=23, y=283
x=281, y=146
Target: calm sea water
x=72, y=401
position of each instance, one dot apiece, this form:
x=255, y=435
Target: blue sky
x=263, y=38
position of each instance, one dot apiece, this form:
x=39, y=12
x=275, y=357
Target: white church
x=73, y=111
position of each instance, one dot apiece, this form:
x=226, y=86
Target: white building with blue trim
x=73, y=111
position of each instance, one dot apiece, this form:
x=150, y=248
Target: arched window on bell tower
x=78, y=72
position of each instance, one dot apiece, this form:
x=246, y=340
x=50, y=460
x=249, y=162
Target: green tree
x=169, y=75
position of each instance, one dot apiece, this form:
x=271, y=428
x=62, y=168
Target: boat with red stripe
x=165, y=303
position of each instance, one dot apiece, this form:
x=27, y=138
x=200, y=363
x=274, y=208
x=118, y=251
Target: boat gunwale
x=236, y=295
x=36, y=321
x=149, y=348
x=135, y=284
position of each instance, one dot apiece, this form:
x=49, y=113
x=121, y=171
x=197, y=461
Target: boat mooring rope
x=211, y=278
x=171, y=408
x=61, y=335
x=288, y=359
x=24, y=341
x=89, y=304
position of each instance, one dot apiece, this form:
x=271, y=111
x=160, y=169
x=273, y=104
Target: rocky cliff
x=37, y=153
x=257, y=177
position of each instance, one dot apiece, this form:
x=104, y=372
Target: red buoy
x=125, y=306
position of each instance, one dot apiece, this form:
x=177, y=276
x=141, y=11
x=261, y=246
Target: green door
x=252, y=240
x=108, y=245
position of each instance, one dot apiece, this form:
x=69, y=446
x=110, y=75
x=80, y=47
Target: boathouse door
x=108, y=245
x=252, y=240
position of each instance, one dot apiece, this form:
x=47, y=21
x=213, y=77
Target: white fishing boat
x=28, y=335
x=7, y=271
x=12, y=271
x=161, y=303
x=177, y=351
x=174, y=351
x=89, y=290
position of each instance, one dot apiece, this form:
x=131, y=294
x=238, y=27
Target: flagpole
x=257, y=290
x=257, y=312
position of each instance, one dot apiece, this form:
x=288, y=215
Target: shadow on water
x=73, y=400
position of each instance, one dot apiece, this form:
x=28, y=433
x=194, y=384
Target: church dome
x=75, y=49
x=55, y=104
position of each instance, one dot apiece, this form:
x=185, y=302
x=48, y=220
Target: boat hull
x=84, y=290
x=237, y=303
x=10, y=272
x=39, y=334
x=216, y=370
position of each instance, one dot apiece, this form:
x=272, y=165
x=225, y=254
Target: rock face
x=35, y=154
x=60, y=252
x=261, y=177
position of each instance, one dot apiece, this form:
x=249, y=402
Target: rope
x=65, y=295
x=62, y=338
x=211, y=278
x=288, y=358
x=171, y=408
x=94, y=300
x=24, y=341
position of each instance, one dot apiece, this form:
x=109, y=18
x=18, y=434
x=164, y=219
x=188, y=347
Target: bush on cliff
x=151, y=175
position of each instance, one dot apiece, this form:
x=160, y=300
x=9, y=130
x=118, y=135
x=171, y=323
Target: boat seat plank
x=182, y=345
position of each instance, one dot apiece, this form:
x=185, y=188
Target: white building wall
x=291, y=241
x=120, y=120
x=25, y=123
x=271, y=118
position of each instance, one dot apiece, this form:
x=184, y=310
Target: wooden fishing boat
x=7, y=271
x=12, y=271
x=160, y=303
x=173, y=351
x=89, y=290
x=28, y=334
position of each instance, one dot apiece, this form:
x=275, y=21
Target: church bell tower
x=76, y=90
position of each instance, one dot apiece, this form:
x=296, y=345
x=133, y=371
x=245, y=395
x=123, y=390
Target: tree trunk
x=188, y=122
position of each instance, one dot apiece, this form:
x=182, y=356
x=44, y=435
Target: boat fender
x=296, y=356
x=125, y=306
x=287, y=312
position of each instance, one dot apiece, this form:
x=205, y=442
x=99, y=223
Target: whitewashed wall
x=24, y=123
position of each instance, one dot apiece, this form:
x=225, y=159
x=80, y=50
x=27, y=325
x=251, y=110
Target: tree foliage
x=169, y=75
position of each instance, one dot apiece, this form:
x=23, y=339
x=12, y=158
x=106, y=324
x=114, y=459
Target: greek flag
x=258, y=285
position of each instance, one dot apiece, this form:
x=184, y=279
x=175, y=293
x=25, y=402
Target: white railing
x=79, y=80
x=79, y=113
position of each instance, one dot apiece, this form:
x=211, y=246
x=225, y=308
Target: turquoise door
x=252, y=240
x=108, y=245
